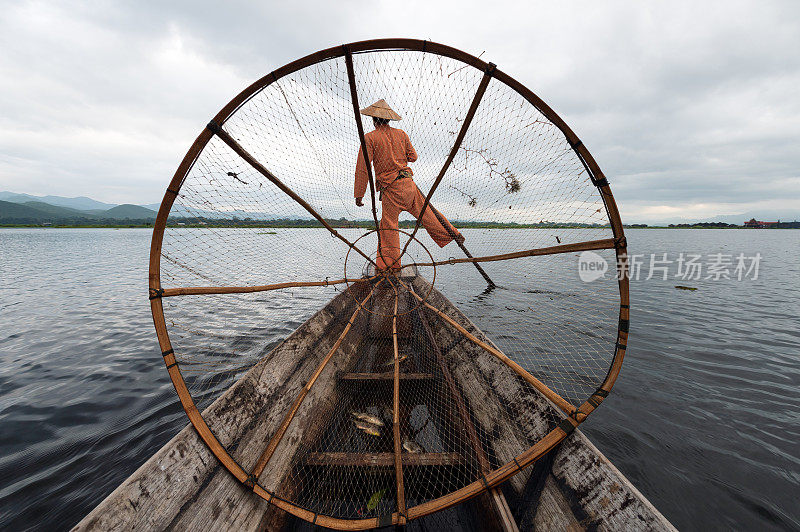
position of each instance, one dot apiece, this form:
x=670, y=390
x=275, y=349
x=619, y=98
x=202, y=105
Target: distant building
x=756, y=224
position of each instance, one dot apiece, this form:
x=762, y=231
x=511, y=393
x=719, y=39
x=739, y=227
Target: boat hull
x=184, y=486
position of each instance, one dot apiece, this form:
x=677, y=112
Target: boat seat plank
x=385, y=377
x=382, y=459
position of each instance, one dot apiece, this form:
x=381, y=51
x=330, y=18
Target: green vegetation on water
x=41, y=214
x=284, y=224
x=101, y=223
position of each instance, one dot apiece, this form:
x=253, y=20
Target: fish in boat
x=367, y=428
x=399, y=360
x=412, y=446
x=372, y=420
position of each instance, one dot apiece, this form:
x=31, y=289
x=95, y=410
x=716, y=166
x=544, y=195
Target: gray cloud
x=690, y=108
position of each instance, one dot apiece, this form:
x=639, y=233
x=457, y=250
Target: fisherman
x=390, y=151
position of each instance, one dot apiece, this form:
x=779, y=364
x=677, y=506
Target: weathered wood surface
x=601, y=496
x=381, y=310
x=553, y=511
x=183, y=486
x=503, y=515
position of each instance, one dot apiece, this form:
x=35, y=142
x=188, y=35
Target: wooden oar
x=446, y=225
x=449, y=229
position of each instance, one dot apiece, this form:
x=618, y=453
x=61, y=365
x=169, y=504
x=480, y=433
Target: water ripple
x=704, y=418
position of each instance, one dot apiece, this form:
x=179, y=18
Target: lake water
x=704, y=419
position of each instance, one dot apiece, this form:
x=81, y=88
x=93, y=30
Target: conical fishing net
x=353, y=396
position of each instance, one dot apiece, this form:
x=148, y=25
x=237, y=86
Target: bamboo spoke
x=252, y=161
x=504, y=517
x=398, y=446
x=559, y=401
x=357, y=112
x=476, y=100
x=206, y=290
x=276, y=438
x=463, y=412
x=607, y=243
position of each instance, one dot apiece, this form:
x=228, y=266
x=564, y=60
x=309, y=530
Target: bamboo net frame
x=217, y=137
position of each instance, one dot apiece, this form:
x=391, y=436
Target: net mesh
x=515, y=184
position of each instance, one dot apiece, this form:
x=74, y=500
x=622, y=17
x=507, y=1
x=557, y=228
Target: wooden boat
x=183, y=486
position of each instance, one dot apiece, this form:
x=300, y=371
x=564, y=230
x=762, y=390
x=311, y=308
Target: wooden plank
x=386, y=377
x=382, y=459
x=504, y=515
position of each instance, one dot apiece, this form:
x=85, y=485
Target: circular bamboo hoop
x=492, y=478
x=419, y=303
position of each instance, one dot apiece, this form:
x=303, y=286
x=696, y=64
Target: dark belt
x=400, y=175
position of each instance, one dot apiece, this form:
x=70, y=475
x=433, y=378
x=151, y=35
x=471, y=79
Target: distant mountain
x=17, y=198
x=81, y=203
x=43, y=209
x=128, y=211
x=34, y=212
x=57, y=211
x=11, y=212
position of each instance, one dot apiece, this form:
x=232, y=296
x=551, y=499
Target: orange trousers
x=403, y=195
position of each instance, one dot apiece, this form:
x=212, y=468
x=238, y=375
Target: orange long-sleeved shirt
x=390, y=150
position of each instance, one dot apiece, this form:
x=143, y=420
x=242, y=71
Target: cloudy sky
x=691, y=108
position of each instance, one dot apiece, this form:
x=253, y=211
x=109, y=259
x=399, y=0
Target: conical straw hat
x=381, y=109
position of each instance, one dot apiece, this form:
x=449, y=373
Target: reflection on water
x=704, y=418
